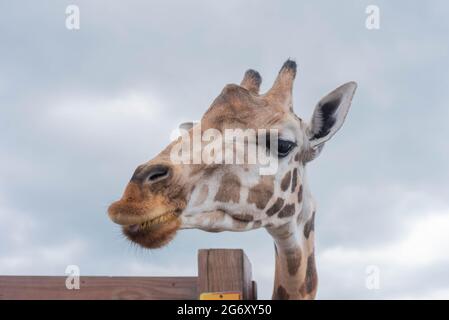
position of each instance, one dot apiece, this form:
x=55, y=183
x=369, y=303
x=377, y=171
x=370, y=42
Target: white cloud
x=15, y=226
x=426, y=239
x=19, y=232
x=101, y=117
x=423, y=245
x=370, y=212
x=434, y=294
x=51, y=259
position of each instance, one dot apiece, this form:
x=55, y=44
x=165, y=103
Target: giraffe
x=163, y=197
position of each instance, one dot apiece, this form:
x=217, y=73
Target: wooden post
x=222, y=270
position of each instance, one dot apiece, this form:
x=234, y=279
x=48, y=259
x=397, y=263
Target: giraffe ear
x=330, y=113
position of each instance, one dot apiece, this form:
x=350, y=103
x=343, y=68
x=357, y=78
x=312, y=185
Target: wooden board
x=219, y=270
x=103, y=288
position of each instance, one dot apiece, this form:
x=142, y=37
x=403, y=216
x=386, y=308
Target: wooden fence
x=219, y=270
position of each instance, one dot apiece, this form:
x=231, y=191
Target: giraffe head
x=163, y=196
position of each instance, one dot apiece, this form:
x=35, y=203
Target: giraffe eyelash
x=285, y=147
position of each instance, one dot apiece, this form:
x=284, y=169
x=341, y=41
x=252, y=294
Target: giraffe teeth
x=158, y=220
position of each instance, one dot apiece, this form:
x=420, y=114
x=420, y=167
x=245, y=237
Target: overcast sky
x=79, y=110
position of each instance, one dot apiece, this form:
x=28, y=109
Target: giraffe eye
x=284, y=147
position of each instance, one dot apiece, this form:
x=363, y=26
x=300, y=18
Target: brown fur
x=229, y=190
x=287, y=211
x=261, y=193
x=285, y=183
x=281, y=294
x=309, y=226
x=275, y=207
x=300, y=194
x=294, y=179
x=156, y=237
x=297, y=157
x=311, y=275
x=140, y=203
x=236, y=107
x=293, y=261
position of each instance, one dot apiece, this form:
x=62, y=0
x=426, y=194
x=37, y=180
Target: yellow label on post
x=221, y=296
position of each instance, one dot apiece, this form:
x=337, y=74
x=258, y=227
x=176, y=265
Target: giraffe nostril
x=157, y=172
x=151, y=173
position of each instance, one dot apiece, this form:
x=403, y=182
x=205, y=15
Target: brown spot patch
x=309, y=226
x=293, y=261
x=297, y=157
x=229, y=190
x=281, y=294
x=300, y=194
x=275, y=207
x=202, y=196
x=294, y=179
x=285, y=183
x=311, y=275
x=287, y=211
x=261, y=193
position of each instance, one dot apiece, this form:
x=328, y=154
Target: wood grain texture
x=218, y=270
x=222, y=270
x=101, y=288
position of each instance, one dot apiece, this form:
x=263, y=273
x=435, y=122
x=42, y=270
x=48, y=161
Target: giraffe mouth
x=147, y=225
x=155, y=232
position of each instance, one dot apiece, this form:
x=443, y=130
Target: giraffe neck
x=295, y=271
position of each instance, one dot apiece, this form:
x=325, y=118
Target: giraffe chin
x=152, y=235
